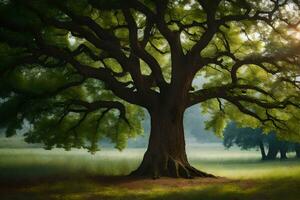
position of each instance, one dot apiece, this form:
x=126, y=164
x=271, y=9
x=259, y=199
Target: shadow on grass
x=113, y=188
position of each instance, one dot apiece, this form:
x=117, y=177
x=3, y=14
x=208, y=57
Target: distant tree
x=297, y=149
x=78, y=71
x=248, y=138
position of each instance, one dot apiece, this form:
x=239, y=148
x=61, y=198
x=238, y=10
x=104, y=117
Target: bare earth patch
x=137, y=183
x=133, y=188
x=165, y=182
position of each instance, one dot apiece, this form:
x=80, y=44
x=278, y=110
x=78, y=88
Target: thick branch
x=138, y=50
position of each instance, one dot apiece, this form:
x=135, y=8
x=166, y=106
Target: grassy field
x=39, y=174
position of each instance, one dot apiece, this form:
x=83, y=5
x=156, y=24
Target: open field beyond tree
x=40, y=174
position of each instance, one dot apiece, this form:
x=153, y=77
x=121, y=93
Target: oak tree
x=73, y=72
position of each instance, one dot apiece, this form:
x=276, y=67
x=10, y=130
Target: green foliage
x=46, y=46
x=248, y=138
x=48, y=124
x=245, y=138
x=217, y=123
x=43, y=117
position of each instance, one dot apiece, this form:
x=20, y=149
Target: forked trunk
x=166, y=154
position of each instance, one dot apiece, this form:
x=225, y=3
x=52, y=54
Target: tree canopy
x=73, y=72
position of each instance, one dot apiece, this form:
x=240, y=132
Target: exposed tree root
x=168, y=168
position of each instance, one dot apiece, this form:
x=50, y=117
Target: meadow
x=34, y=173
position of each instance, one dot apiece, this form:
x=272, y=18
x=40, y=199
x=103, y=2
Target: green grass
x=57, y=174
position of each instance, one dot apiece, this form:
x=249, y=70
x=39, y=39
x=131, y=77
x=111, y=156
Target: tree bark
x=166, y=153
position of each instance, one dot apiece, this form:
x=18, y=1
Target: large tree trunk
x=166, y=153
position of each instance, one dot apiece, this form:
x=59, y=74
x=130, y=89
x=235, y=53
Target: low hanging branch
x=86, y=108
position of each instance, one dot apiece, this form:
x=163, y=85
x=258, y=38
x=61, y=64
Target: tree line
x=269, y=144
